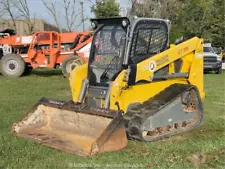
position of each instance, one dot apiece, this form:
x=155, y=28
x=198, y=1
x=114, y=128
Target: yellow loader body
x=147, y=91
x=191, y=52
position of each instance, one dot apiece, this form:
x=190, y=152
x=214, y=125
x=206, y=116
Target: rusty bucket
x=73, y=128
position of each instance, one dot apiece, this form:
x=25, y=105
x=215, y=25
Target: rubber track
x=136, y=116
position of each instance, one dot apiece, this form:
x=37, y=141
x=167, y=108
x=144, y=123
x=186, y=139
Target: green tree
x=189, y=18
x=195, y=17
x=217, y=24
x=159, y=9
x=203, y=18
x=106, y=8
x=154, y=8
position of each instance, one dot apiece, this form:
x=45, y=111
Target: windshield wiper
x=103, y=76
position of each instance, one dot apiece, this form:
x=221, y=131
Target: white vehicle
x=212, y=61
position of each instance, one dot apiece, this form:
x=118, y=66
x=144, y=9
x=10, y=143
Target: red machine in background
x=20, y=54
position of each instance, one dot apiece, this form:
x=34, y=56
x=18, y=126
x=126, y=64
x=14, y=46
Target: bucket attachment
x=73, y=128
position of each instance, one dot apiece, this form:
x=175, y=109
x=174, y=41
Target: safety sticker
x=27, y=39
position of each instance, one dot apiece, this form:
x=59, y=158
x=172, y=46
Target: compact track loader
x=134, y=86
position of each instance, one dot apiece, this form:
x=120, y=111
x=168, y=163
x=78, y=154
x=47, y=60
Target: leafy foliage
x=106, y=8
x=189, y=18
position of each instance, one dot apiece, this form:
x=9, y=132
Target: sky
x=37, y=7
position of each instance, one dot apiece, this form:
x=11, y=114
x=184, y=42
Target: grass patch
x=200, y=148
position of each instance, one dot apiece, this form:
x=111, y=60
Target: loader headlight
x=94, y=25
x=125, y=23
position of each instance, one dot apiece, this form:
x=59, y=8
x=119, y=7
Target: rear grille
x=210, y=59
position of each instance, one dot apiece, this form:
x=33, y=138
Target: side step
x=176, y=109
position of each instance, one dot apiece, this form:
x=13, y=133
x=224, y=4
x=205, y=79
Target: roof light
x=94, y=24
x=125, y=23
